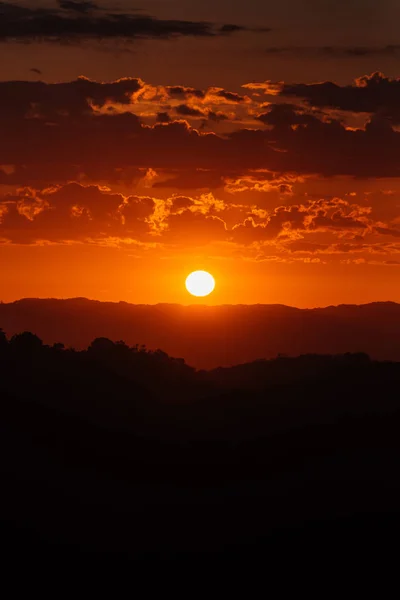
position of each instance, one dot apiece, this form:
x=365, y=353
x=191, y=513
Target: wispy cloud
x=85, y=20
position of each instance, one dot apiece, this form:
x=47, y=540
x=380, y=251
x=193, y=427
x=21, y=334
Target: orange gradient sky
x=138, y=150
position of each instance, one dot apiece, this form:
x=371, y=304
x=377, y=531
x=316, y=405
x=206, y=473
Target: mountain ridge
x=124, y=302
x=212, y=336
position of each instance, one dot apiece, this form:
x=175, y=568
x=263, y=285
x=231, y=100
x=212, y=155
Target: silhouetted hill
x=128, y=454
x=212, y=336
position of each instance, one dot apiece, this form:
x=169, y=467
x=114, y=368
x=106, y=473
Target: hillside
x=212, y=336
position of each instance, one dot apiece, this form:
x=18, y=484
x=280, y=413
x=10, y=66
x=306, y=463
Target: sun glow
x=200, y=283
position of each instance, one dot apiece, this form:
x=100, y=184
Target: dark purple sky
x=363, y=28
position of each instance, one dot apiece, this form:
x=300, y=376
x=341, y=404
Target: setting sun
x=200, y=283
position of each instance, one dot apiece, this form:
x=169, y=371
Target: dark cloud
x=37, y=71
x=230, y=96
x=80, y=7
x=282, y=218
x=217, y=117
x=334, y=51
x=388, y=231
x=192, y=179
x=89, y=213
x=179, y=91
x=365, y=51
x=230, y=28
x=337, y=221
x=41, y=175
x=163, y=117
x=180, y=203
x=286, y=115
x=210, y=94
x=335, y=215
x=188, y=111
x=65, y=133
x=24, y=99
x=372, y=93
x=194, y=228
x=56, y=126
x=72, y=213
x=304, y=247
x=260, y=182
x=78, y=21
x=136, y=208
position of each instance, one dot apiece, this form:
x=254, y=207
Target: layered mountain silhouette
x=212, y=336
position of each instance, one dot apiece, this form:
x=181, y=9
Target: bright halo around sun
x=200, y=283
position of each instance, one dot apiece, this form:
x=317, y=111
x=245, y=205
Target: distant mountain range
x=212, y=336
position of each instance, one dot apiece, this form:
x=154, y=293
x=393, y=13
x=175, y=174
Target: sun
x=200, y=283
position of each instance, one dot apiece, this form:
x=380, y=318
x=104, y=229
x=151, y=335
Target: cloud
x=180, y=91
x=261, y=182
x=230, y=96
x=163, y=117
x=41, y=175
x=287, y=222
x=268, y=87
x=194, y=228
x=75, y=6
x=84, y=20
x=217, y=117
x=388, y=231
x=188, y=111
x=95, y=214
x=180, y=203
x=333, y=51
x=371, y=94
x=123, y=162
x=281, y=220
x=286, y=115
x=72, y=213
x=85, y=130
x=191, y=179
x=230, y=28
x=61, y=101
x=77, y=213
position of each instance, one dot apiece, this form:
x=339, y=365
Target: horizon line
x=197, y=305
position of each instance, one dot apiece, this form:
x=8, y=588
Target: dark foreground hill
x=118, y=454
x=212, y=336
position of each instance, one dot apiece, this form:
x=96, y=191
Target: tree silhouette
x=26, y=343
x=58, y=346
x=101, y=347
x=3, y=342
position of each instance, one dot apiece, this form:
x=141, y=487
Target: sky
x=258, y=141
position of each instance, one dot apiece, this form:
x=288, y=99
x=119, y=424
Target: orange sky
x=233, y=147
x=114, y=275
